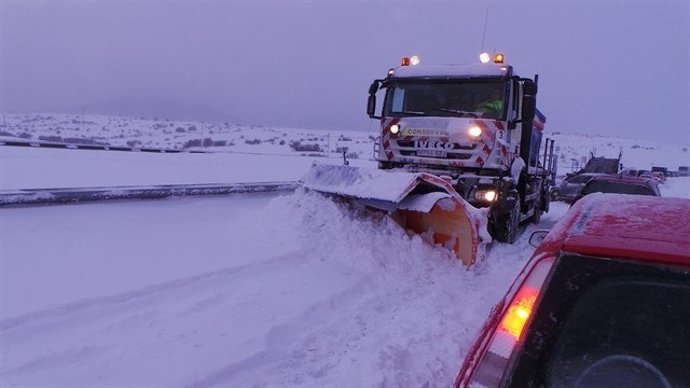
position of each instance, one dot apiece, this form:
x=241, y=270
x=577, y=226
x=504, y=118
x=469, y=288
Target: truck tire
x=385, y=165
x=537, y=211
x=506, y=225
x=546, y=203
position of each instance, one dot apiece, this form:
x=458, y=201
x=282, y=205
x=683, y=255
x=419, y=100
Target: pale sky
x=615, y=68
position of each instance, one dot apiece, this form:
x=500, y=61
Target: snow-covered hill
x=186, y=135
x=573, y=149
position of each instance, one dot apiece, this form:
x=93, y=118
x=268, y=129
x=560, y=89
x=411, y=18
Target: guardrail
x=48, y=196
x=91, y=147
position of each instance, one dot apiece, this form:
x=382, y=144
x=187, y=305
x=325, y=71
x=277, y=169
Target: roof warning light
x=410, y=61
x=484, y=58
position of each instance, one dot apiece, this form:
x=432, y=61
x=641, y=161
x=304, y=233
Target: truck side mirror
x=374, y=87
x=371, y=102
x=529, y=88
x=371, y=106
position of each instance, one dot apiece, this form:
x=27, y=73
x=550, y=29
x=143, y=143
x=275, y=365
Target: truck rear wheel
x=537, y=211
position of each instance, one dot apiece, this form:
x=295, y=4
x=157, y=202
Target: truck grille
x=458, y=152
x=456, y=146
x=455, y=156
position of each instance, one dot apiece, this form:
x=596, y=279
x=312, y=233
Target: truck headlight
x=395, y=128
x=474, y=131
x=485, y=195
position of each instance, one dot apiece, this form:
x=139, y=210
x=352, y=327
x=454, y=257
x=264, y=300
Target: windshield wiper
x=412, y=113
x=456, y=111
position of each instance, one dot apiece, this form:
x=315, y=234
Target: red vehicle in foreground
x=603, y=302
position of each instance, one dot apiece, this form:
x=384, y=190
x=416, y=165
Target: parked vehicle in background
x=603, y=302
x=619, y=184
x=629, y=172
x=662, y=170
x=658, y=176
x=602, y=165
x=570, y=187
x=683, y=171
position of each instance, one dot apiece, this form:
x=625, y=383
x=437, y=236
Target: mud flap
x=420, y=202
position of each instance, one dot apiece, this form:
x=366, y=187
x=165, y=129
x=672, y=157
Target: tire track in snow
x=281, y=339
x=361, y=302
x=410, y=328
x=139, y=337
x=35, y=318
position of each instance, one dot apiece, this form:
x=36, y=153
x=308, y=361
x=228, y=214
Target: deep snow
x=318, y=297
x=266, y=290
x=240, y=291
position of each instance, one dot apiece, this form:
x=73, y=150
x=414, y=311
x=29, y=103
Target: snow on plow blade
x=423, y=203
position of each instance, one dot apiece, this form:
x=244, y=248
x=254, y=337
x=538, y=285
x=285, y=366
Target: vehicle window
x=616, y=187
x=605, y=323
x=517, y=100
x=456, y=98
x=580, y=179
x=397, y=99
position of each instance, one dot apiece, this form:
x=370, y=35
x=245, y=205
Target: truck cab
x=476, y=125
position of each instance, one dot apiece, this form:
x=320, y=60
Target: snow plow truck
x=458, y=155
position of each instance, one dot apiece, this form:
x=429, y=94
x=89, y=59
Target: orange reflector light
x=519, y=312
x=405, y=61
x=498, y=58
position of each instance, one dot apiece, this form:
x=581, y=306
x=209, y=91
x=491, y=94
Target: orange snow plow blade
x=420, y=202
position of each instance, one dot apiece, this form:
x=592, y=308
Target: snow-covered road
x=94, y=250
x=257, y=291
x=24, y=168
x=235, y=292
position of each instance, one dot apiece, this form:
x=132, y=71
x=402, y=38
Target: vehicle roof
x=445, y=71
x=646, y=228
x=622, y=179
x=584, y=174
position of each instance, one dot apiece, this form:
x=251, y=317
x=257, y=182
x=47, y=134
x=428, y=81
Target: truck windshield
x=446, y=98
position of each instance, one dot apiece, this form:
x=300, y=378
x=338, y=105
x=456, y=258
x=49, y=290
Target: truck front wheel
x=504, y=225
x=385, y=165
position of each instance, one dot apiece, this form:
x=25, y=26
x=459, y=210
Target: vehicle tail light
x=519, y=311
x=506, y=337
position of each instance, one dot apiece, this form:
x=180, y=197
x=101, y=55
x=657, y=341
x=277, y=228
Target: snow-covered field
x=260, y=291
x=573, y=149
